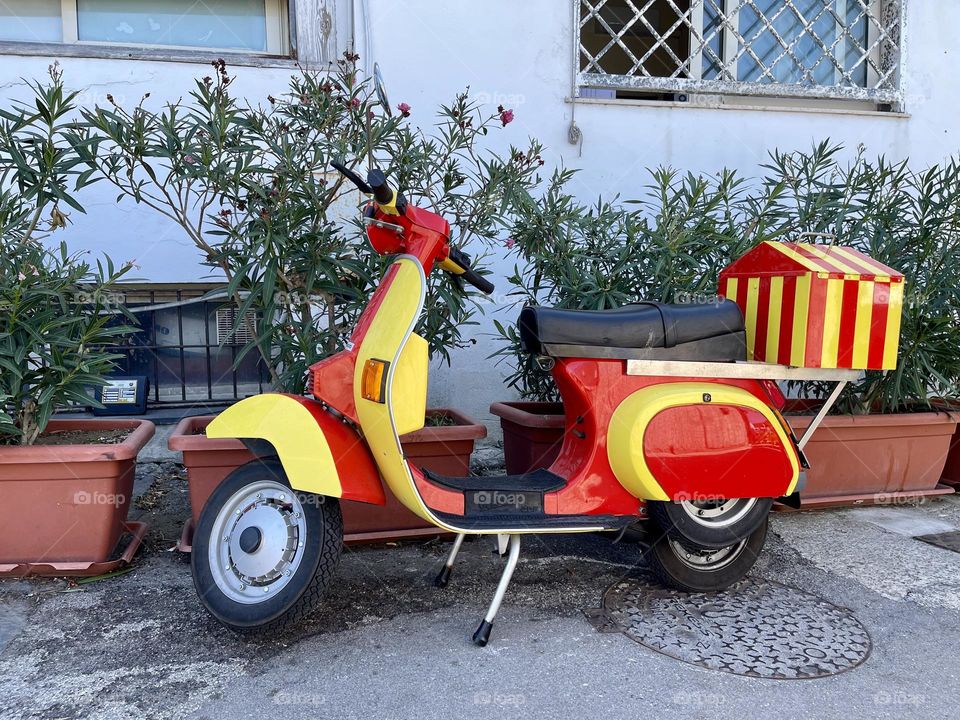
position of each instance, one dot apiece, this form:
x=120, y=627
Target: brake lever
x=361, y=184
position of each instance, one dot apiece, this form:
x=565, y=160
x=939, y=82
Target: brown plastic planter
x=532, y=434
x=65, y=506
x=951, y=469
x=445, y=450
x=875, y=459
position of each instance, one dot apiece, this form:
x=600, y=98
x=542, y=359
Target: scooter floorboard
x=531, y=522
x=537, y=481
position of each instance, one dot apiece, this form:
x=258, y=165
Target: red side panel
x=332, y=382
x=716, y=451
x=359, y=476
x=439, y=499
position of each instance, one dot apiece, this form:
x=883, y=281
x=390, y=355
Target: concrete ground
x=387, y=644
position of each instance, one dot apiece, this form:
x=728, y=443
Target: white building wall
x=520, y=54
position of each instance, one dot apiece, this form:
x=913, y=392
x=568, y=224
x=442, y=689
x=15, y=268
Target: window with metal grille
x=232, y=329
x=179, y=346
x=845, y=49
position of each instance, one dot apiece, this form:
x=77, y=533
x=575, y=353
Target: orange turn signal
x=374, y=382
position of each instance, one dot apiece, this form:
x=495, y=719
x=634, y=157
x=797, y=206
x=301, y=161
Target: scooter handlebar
x=462, y=262
x=389, y=201
x=352, y=177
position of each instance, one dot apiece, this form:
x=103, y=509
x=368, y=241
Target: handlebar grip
x=377, y=181
x=469, y=274
x=352, y=177
x=384, y=194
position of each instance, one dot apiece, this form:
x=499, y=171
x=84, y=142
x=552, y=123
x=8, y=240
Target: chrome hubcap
x=718, y=514
x=708, y=560
x=257, y=543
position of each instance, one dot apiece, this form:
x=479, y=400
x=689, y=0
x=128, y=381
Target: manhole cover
x=756, y=628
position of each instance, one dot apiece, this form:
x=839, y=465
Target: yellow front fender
x=319, y=453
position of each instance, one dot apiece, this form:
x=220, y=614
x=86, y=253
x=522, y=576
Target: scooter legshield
x=699, y=442
x=319, y=453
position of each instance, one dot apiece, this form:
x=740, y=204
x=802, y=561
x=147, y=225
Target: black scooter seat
x=642, y=325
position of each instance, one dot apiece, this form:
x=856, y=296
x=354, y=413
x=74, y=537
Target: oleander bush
x=58, y=309
x=671, y=244
x=252, y=187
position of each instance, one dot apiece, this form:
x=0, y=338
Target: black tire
x=303, y=590
x=682, y=574
x=678, y=522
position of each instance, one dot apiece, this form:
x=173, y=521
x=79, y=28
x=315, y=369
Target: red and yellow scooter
x=668, y=430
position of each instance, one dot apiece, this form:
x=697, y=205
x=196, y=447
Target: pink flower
x=510, y=243
x=355, y=102
x=506, y=117
x=189, y=159
x=404, y=109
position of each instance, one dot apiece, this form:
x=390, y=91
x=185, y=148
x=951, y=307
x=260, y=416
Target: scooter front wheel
x=263, y=554
x=680, y=565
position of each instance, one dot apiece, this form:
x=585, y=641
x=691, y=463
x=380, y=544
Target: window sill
x=759, y=105
x=121, y=52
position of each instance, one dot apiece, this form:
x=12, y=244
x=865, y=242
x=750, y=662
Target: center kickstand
x=482, y=635
x=443, y=577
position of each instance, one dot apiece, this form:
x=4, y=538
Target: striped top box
x=820, y=306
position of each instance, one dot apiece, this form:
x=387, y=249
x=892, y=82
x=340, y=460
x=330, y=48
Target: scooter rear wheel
x=689, y=568
x=264, y=554
x=711, y=523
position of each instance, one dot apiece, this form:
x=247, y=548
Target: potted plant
x=444, y=446
x=66, y=484
x=886, y=440
x=602, y=256
x=951, y=468
x=286, y=235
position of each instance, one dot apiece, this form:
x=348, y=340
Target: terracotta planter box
x=445, y=450
x=532, y=434
x=951, y=470
x=65, y=506
x=870, y=459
